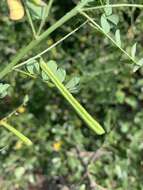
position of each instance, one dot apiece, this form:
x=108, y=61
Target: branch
x=98, y=27
x=41, y=38
x=112, y=5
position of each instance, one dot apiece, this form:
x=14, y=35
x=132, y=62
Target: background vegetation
x=65, y=153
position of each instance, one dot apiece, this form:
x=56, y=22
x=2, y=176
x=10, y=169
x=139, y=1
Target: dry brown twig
x=92, y=157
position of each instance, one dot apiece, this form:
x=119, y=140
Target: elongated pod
x=16, y=9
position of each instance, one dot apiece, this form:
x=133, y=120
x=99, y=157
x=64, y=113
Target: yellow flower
x=21, y=109
x=57, y=146
x=18, y=145
x=16, y=9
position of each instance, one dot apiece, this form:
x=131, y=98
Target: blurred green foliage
x=109, y=90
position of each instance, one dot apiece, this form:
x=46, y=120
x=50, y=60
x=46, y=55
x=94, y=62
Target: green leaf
x=108, y=10
x=61, y=74
x=73, y=84
x=83, y=187
x=3, y=90
x=36, y=67
x=53, y=66
x=138, y=65
x=120, y=96
x=133, y=50
x=113, y=18
x=3, y=87
x=44, y=76
x=30, y=67
x=140, y=62
x=131, y=101
x=19, y=172
x=3, y=94
x=86, y=2
x=118, y=171
x=118, y=37
x=105, y=24
x=33, y=67
x=58, y=72
x=37, y=12
x=26, y=99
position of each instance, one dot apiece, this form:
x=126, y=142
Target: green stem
x=45, y=16
x=42, y=37
x=93, y=124
x=107, y=35
x=25, y=73
x=101, y=2
x=34, y=77
x=112, y=5
x=17, y=133
x=49, y=48
x=31, y=23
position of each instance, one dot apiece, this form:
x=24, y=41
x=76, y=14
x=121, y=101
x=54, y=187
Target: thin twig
x=45, y=16
x=51, y=85
x=13, y=112
x=25, y=73
x=31, y=23
x=100, y=152
x=23, y=51
x=113, y=6
x=107, y=35
x=51, y=47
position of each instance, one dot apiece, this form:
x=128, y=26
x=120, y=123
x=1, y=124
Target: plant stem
x=51, y=47
x=31, y=23
x=107, y=35
x=17, y=133
x=42, y=37
x=93, y=124
x=45, y=16
x=112, y=5
x=34, y=77
x=25, y=73
x=101, y=2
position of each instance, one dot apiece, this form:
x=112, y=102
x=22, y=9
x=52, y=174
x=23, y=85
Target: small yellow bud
x=21, y=109
x=18, y=145
x=57, y=146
